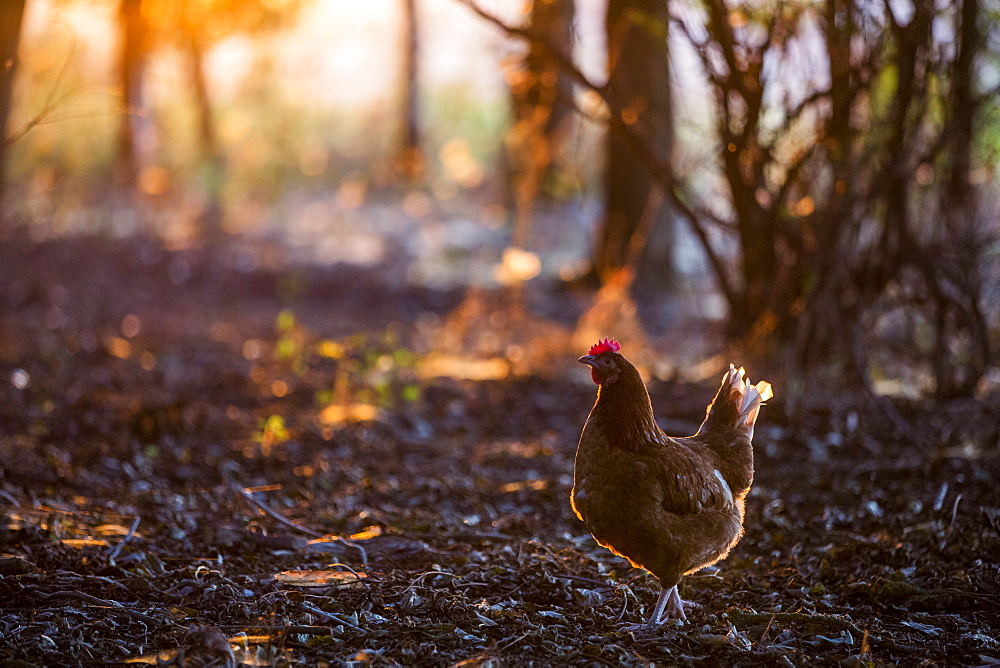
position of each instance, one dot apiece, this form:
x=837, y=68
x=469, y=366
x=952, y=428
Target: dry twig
x=116, y=550
x=274, y=514
x=93, y=600
x=322, y=614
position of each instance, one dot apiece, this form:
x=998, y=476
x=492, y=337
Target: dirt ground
x=223, y=460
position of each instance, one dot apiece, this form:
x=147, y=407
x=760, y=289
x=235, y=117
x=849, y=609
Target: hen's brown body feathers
x=669, y=505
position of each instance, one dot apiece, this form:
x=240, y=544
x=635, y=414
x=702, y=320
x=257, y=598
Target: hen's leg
x=654, y=619
x=674, y=606
x=668, y=606
x=661, y=602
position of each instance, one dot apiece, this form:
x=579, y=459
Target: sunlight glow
x=81, y=543
x=368, y=533
x=340, y=414
x=464, y=368
x=517, y=265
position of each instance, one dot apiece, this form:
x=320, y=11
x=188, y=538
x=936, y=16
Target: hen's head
x=604, y=361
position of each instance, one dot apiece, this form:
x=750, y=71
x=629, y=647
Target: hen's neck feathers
x=623, y=412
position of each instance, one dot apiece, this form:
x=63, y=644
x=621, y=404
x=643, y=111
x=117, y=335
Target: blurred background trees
x=541, y=97
x=816, y=178
x=411, y=159
x=639, y=89
x=11, y=14
x=192, y=28
x=131, y=125
x=853, y=211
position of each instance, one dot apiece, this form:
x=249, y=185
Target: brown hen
x=670, y=505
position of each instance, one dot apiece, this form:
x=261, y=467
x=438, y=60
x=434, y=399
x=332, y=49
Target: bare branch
x=51, y=101
x=660, y=171
x=564, y=60
x=718, y=15
x=721, y=222
x=701, y=48
x=792, y=116
x=791, y=174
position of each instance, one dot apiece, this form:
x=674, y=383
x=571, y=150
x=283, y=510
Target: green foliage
x=285, y=321
x=272, y=431
x=377, y=370
x=411, y=393
x=647, y=22
x=884, y=88
x=290, y=346
x=988, y=144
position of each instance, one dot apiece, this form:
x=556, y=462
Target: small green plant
x=371, y=370
x=371, y=373
x=272, y=432
x=291, y=347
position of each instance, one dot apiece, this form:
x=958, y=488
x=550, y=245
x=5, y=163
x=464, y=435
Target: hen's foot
x=674, y=608
x=668, y=606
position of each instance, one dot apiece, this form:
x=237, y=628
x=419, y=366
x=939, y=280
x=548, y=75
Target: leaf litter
x=186, y=495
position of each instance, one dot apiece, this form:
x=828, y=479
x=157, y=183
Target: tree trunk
x=206, y=126
x=963, y=102
x=639, y=85
x=410, y=159
x=961, y=221
x=11, y=13
x=818, y=329
x=539, y=94
x=212, y=167
x=131, y=56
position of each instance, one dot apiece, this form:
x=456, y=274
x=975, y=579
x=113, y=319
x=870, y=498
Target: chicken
x=669, y=505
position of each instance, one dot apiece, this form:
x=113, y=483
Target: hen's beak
x=589, y=360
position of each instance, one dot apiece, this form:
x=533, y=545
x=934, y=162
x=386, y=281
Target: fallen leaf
x=84, y=542
x=338, y=579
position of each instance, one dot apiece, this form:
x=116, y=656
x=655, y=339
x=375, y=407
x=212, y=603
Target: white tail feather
x=752, y=397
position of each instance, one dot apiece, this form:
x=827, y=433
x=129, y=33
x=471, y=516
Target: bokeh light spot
x=131, y=326
x=19, y=378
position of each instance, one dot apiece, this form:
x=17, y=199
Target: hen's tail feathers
x=737, y=403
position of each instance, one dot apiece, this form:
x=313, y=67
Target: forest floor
x=223, y=461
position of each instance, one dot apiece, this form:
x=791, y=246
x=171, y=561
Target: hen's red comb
x=605, y=346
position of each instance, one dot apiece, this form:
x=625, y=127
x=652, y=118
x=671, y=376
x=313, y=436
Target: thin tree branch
x=701, y=48
x=727, y=225
x=51, y=102
x=718, y=16
x=791, y=173
x=794, y=115
x=660, y=171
